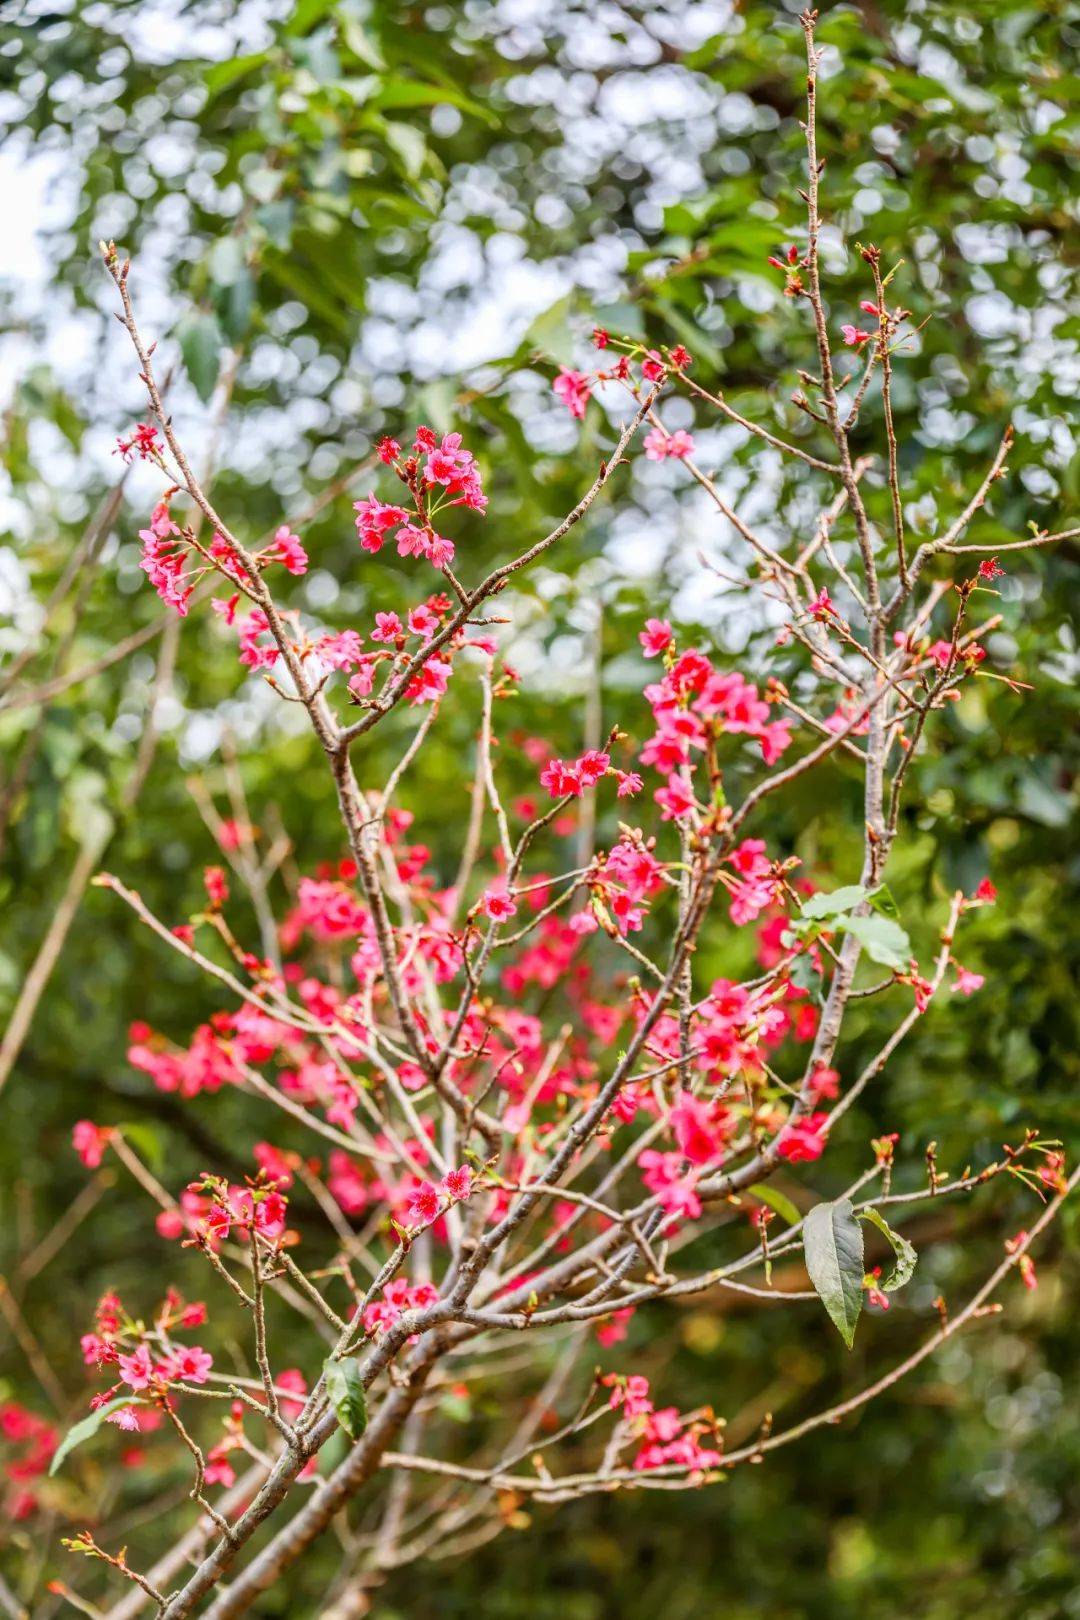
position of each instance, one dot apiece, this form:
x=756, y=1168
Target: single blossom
x=572, y=388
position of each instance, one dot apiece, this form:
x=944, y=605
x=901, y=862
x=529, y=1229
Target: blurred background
x=349, y=217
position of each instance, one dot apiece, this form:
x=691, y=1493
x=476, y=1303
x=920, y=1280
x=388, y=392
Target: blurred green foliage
x=367, y=215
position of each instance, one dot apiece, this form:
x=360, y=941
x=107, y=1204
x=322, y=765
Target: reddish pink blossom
x=561, y=779
x=967, y=982
x=498, y=905
x=986, y=894
x=572, y=388
x=854, y=336
x=423, y=1205
x=676, y=800
x=802, y=1140
x=429, y=683
x=137, y=1370
x=695, y=1127
x=191, y=1364
x=656, y=637
x=387, y=627
x=387, y=451
x=457, y=1184
x=288, y=550
x=989, y=570
x=652, y=367
x=373, y=519
x=90, y=1141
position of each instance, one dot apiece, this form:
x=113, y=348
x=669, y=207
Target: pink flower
x=967, y=982
x=659, y=445
x=498, y=905
x=137, y=1370
x=422, y=621
x=340, y=651
x=854, y=336
x=89, y=1141
x=429, y=683
x=126, y=1418
x=387, y=627
x=988, y=569
x=656, y=637
x=695, y=1129
x=423, y=1205
x=802, y=1140
x=373, y=519
x=572, y=388
x=457, y=1184
x=652, y=367
x=592, y=766
x=629, y=784
x=190, y=1364
x=561, y=779
x=675, y=800
x=387, y=451
x=986, y=894
x=288, y=550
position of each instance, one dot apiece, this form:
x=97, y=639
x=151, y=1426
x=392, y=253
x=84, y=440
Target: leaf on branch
x=833, y=1245
x=835, y=904
x=346, y=1391
x=89, y=1426
x=906, y=1258
x=882, y=939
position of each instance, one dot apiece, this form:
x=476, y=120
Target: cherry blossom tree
x=531, y=1115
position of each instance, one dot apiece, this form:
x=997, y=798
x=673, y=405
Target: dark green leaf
x=346, y=1391
x=833, y=1245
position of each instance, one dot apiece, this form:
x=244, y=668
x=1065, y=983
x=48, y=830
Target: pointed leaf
x=346, y=1391
x=906, y=1258
x=777, y=1201
x=89, y=1426
x=833, y=1245
x=882, y=939
x=832, y=905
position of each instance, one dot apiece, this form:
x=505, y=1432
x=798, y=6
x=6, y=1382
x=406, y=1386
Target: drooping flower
x=572, y=388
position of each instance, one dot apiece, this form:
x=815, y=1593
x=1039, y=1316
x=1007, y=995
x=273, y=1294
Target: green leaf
x=407, y=144
x=882, y=900
x=146, y=1142
x=906, y=1258
x=346, y=1392
x=882, y=939
x=832, y=905
x=833, y=1245
x=552, y=334
x=777, y=1201
x=89, y=1426
x=200, y=345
